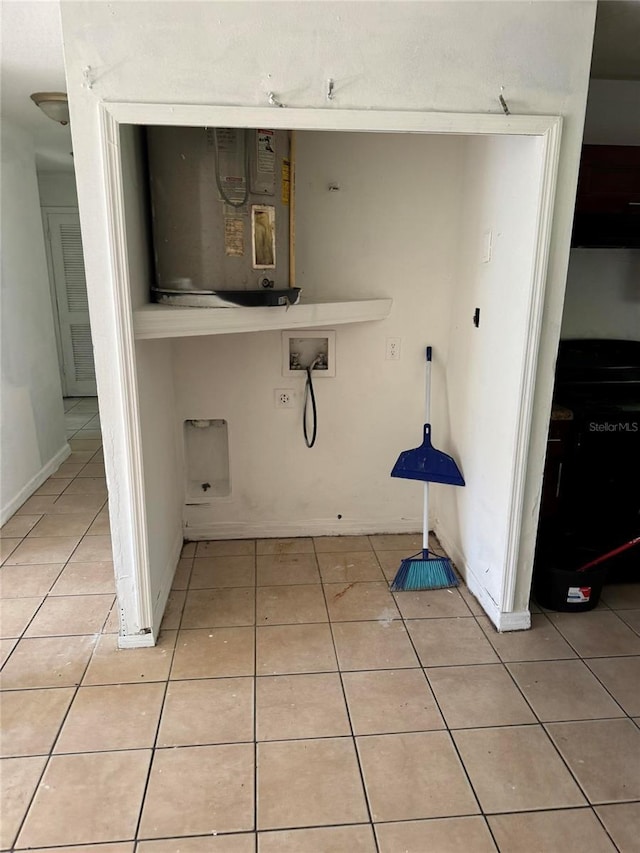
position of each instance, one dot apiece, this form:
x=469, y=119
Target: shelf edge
x=155, y=322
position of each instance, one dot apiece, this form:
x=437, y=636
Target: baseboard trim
x=34, y=483
x=136, y=641
x=165, y=584
x=519, y=620
x=312, y=527
x=139, y=641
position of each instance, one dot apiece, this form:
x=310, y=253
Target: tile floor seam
x=597, y=817
x=50, y=754
x=332, y=623
x=154, y=746
x=354, y=742
x=566, y=763
x=21, y=636
x=542, y=724
x=559, y=660
x=493, y=629
x=568, y=641
x=448, y=730
x=255, y=695
x=602, y=684
x=520, y=690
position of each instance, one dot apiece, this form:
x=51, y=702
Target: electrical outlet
x=393, y=349
x=284, y=398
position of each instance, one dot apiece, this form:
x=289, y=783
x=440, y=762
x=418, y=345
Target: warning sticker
x=266, y=151
x=234, y=237
x=286, y=181
x=578, y=594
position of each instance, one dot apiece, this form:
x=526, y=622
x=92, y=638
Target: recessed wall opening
x=369, y=217
x=206, y=452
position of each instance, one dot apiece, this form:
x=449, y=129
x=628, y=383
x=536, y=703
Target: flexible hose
x=310, y=395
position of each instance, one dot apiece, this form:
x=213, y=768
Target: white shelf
x=164, y=321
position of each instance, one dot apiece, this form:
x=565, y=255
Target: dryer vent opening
x=206, y=447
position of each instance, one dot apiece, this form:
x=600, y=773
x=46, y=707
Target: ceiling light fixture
x=53, y=104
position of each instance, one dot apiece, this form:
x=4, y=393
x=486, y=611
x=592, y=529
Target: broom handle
x=427, y=394
x=613, y=553
x=427, y=411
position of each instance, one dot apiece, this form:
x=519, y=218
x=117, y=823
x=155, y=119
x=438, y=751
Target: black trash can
x=569, y=591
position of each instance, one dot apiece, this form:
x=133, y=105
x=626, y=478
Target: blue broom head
x=427, y=464
x=423, y=571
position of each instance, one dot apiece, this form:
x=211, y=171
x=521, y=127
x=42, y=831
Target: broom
x=424, y=570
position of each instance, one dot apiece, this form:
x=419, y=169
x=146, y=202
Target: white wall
x=163, y=484
x=33, y=433
x=603, y=294
x=393, y=55
x=57, y=189
x=372, y=238
x=485, y=365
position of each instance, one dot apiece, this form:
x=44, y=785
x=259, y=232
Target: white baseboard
x=139, y=641
x=519, y=620
x=165, y=585
x=34, y=483
x=136, y=641
x=279, y=529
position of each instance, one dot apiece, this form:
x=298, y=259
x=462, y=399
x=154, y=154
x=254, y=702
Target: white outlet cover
x=284, y=398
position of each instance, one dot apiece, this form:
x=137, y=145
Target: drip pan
x=226, y=298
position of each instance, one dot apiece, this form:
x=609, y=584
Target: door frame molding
x=134, y=578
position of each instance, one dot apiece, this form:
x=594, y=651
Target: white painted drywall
x=372, y=237
x=57, y=189
x=163, y=482
x=485, y=365
x=415, y=56
x=33, y=433
x=603, y=294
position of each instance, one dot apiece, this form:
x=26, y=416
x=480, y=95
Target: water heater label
x=266, y=154
x=286, y=181
x=230, y=144
x=234, y=237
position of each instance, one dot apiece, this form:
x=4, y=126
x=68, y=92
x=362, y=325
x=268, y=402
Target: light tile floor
x=294, y=705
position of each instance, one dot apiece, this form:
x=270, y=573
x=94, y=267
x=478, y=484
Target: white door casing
x=133, y=574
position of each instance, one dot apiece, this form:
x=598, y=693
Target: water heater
x=220, y=206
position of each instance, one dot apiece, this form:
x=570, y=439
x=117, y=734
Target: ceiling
x=32, y=61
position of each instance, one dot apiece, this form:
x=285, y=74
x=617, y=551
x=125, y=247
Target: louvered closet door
x=71, y=298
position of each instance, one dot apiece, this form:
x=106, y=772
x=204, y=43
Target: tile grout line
x=502, y=662
x=585, y=661
x=449, y=730
x=541, y=725
x=255, y=694
x=49, y=755
x=353, y=740
x=452, y=740
x=154, y=745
